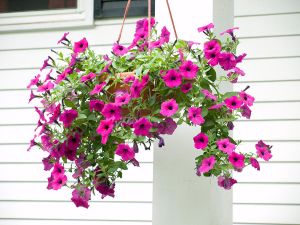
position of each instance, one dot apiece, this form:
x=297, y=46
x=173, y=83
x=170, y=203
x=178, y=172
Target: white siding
x=24, y=198
x=270, y=34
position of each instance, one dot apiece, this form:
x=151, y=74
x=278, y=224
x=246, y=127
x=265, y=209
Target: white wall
x=24, y=198
x=270, y=34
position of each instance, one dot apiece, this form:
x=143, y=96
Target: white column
x=179, y=196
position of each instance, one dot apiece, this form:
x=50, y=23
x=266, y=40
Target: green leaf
x=69, y=104
x=212, y=75
x=205, y=84
x=230, y=94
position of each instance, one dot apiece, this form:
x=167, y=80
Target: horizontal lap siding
x=269, y=33
x=24, y=198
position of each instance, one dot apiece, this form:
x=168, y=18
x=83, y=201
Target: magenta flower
x=73, y=59
x=246, y=98
x=32, y=96
x=230, y=32
x=212, y=46
x=254, y=163
x=129, y=79
x=194, y=115
x=106, y=190
x=96, y=105
x=172, y=78
x=233, y=102
x=87, y=77
x=47, y=163
x=45, y=87
x=226, y=182
x=207, y=164
x=63, y=75
x=225, y=146
x=212, y=57
x=55, y=113
x=112, y=111
x=185, y=88
x=119, y=49
x=68, y=116
x=208, y=94
x=206, y=28
x=245, y=111
x=81, y=196
x=227, y=60
x=237, y=160
x=123, y=99
x=165, y=35
x=145, y=79
x=98, y=88
x=168, y=126
x=58, y=170
x=59, y=181
x=73, y=141
x=59, y=150
x=155, y=44
x=201, y=141
x=189, y=70
x=63, y=38
x=240, y=58
x=70, y=153
x=169, y=108
x=142, y=127
x=34, y=81
x=216, y=106
x=46, y=142
x=125, y=151
x=263, y=150
x=136, y=89
x=105, y=128
x=41, y=114
x=45, y=64
x=81, y=46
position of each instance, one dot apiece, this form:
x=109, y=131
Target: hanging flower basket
x=100, y=111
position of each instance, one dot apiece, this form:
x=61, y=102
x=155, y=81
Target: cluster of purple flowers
x=95, y=118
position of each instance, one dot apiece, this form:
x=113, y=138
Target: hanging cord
x=149, y=22
x=124, y=18
x=171, y=17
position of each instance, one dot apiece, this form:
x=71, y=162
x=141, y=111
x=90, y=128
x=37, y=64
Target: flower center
x=235, y=159
x=224, y=146
x=233, y=103
x=173, y=78
x=170, y=107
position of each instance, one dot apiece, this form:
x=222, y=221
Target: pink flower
x=46, y=87
x=41, y=114
x=34, y=81
x=189, y=70
x=63, y=38
x=81, y=196
x=208, y=94
x=206, y=28
x=70, y=153
x=73, y=59
x=254, y=163
x=73, y=141
x=55, y=113
x=211, y=52
x=201, y=141
x=226, y=182
x=106, y=190
x=81, y=45
x=58, y=170
x=155, y=44
x=227, y=60
x=58, y=182
x=237, y=160
x=165, y=35
x=32, y=96
x=185, y=88
x=142, y=127
x=136, y=89
x=104, y=129
x=129, y=79
x=45, y=64
x=96, y=105
x=46, y=142
x=122, y=99
x=87, y=77
x=246, y=98
x=233, y=102
x=68, y=116
x=47, y=163
x=63, y=75
x=119, y=49
x=207, y=164
x=246, y=111
x=168, y=126
x=172, y=78
x=125, y=151
x=263, y=150
x=240, y=58
x=194, y=115
x=216, y=106
x=225, y=145
x=98, y=88
x=112, y=111
x=142, y=25
x=169, y=108
x=212, y=57
x=230, y=32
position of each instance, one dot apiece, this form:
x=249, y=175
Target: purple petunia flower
x=237, y=160
x=87, y=77
x=45, y=64
x=246, y=98
x=106, y=190
x=168, y=126
x=45, y=87
x=68, y=116
x=226, y=182
x=63, y=75
x=63, y=38
x=195, y=116
x=245, y=111
x=233, y=102
x=34, y=81
x=165, y=35
x=81, y=196
x=172, y=78
x=136, y=89
x=119, y=49
x=122, y=99
x=208, y=94
x=254, y=163
x=81, y=46
x=206, y=27
x=112, y=111
x=185, y=88
x=227, y=60
x=201, y=141
x=142, y=127
x=225, y=145
x=73, y=141
x=169, y=108
x=105, y=128
x=263, y=150
x=125, y=151
x=98, y=88
x=58, y=170
x=189, y=70
x=96, y=105
x=207, y=164
x=58, y=181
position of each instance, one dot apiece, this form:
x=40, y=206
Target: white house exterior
x=269, y=33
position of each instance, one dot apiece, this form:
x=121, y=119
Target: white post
x=179, y=196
